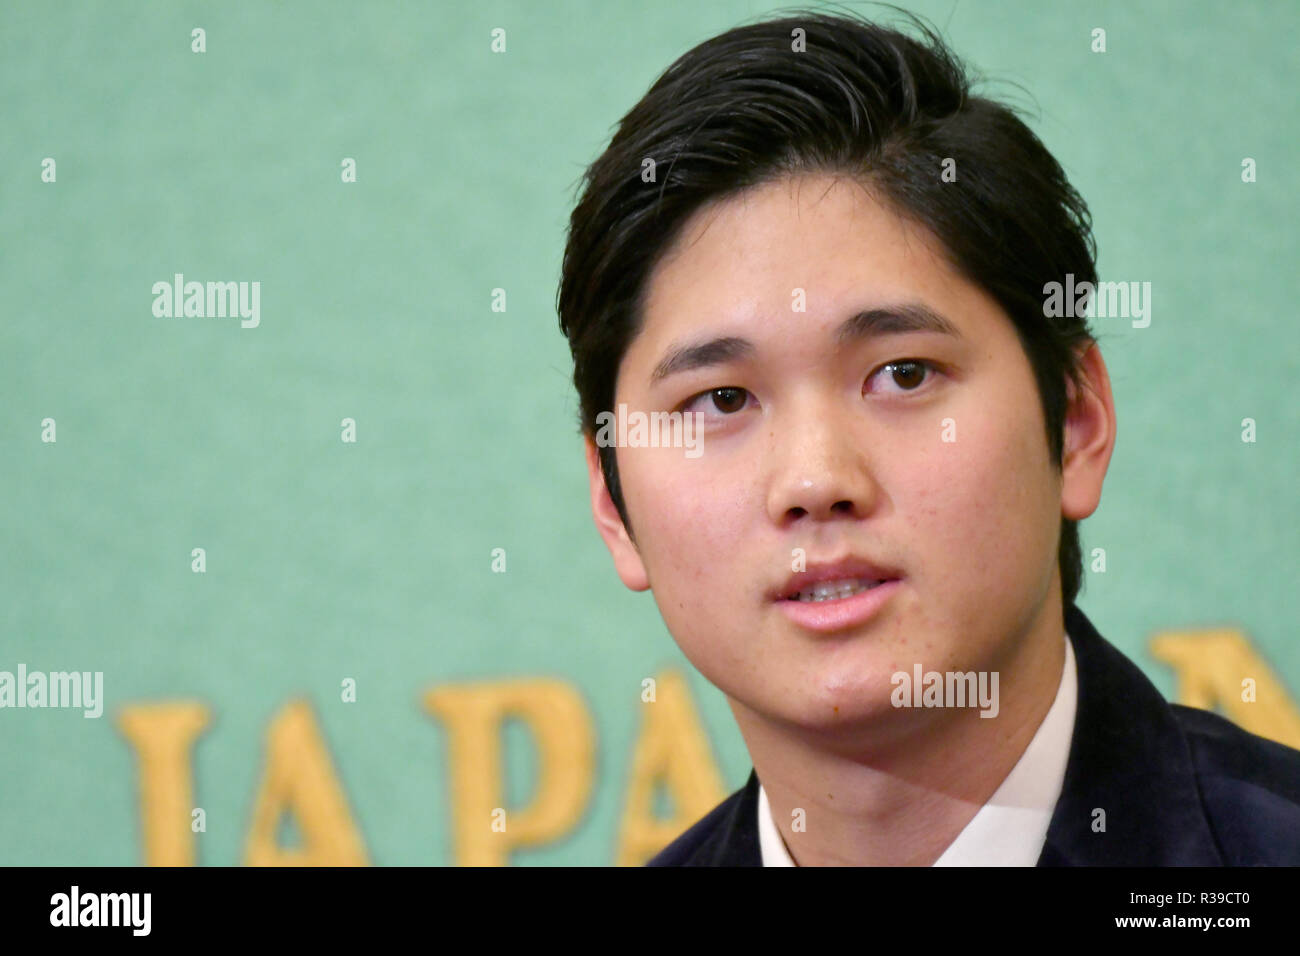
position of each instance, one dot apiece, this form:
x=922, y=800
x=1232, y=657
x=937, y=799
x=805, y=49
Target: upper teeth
x=835, y=590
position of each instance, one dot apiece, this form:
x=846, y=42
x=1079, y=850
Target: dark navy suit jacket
x=1180, y=786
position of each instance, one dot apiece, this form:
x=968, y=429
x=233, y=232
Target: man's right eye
x=728, y=400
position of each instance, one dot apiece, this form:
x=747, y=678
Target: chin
x=839, y=709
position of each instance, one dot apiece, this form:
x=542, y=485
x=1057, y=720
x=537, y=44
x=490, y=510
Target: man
x=811, y=240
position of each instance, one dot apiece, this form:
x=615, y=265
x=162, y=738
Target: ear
x=627, y=560
x=1089, y=437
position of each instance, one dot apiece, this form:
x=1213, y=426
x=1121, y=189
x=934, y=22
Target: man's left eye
x=908, y=374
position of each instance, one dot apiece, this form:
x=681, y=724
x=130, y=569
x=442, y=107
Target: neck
x=885, y=796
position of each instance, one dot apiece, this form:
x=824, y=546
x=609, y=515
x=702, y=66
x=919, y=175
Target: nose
x=821, y=466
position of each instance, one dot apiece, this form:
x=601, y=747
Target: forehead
x=747, y=260
x=810, y=227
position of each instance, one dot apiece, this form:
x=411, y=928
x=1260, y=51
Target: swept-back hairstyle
x=813, y=92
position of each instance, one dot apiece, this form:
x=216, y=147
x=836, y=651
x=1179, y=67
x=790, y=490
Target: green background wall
x=372, y=560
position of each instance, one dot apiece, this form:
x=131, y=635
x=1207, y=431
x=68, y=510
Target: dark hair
x=745, y=108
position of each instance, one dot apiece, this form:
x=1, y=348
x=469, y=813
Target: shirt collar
x=1010, y=829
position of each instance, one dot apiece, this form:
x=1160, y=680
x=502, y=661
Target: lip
x=841, y=613
x=818, y=572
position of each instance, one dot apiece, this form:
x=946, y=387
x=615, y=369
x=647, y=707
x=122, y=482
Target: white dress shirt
x=1011, y=828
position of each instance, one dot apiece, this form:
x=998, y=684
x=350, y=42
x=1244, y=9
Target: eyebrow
x=868, y=324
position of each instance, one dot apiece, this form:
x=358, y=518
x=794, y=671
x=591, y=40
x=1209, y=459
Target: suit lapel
x=734, y=842
x=1129, y=760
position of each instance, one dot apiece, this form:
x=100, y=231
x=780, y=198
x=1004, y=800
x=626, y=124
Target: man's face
x=937, y=472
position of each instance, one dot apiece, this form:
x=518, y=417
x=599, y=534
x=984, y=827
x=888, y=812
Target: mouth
x=839, y=605
x=837, y=590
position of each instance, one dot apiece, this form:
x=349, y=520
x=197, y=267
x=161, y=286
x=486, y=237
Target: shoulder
x=726, y=836
x=1250, y=787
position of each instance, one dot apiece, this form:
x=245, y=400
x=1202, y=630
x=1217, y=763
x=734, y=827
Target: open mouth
x=834, y=590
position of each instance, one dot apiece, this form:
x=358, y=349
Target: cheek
x=980, y=508
x=689, y=523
